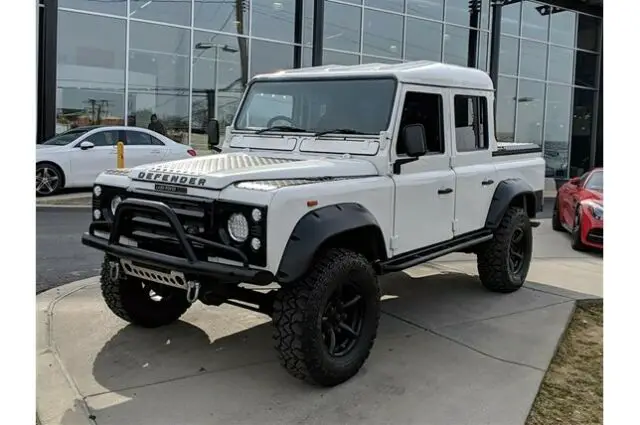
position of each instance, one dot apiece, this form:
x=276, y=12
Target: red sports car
x=579, y=210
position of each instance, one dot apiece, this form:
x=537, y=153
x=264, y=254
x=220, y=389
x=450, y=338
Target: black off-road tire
x=555, y=218
x=297, y=318
x=128, y=299
x=576, y=242
x=493, y=260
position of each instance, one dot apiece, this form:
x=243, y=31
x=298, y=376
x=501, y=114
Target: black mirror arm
x=400, y=161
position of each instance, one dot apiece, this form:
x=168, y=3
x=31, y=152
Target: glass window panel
x=90, y=71
x=371, y=59
x=230, y=16
x=508, y=59
x=159, y=77
x=307, y=53
x=483, y=51
x=535, y=22
x=581, y=131
x=337, y=58
x=423, y=40
x=112, y=7
x=485, y=13
x=459, y=12
x=307, y=22
x=533, y=57
x=530, y=112
x=506, y=109
x=433, y=9
x=342, y=26
x=456, y=45
x=586, y=64
x=563, y=28
x=393, y=5
x=511, y=19
x=174, y=12
x=556, y=130
x=382, y=34
x=588, y=32
x=358, y=2
x=220, y=75
x=273, y=19
x=270, y=57
x=561, y=64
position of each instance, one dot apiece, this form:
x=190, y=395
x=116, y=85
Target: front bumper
x=188, y=263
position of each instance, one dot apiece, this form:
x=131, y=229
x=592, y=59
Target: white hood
x=219, y=171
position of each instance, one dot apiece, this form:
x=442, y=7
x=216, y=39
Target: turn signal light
x=192, y=152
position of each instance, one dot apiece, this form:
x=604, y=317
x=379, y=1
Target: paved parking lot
x=448, y=352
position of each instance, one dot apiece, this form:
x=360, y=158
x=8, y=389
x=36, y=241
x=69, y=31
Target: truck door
x=472, y=162
x=424, y=200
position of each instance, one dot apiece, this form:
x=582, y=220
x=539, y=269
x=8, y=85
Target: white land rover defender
x=327, y=178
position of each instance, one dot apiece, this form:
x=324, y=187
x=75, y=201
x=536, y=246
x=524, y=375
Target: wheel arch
x=60, y=169
x=344, y=225
x=511, y=192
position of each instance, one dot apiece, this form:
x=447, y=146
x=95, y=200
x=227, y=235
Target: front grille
x=596, y=236
x=152, y=230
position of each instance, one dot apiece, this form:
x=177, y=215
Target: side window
x=471, y=117
x=156, y=141
x=104, y=138
x=136, y=138
x=425, y=109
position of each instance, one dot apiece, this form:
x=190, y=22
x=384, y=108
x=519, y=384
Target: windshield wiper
x=339, y=131
x=286, y=128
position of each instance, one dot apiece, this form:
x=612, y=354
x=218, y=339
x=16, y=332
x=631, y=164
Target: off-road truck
x=327, y=178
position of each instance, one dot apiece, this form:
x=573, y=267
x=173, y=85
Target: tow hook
x=114, y=270
x=193, y=291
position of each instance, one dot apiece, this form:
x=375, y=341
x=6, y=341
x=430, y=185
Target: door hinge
x=393, y=242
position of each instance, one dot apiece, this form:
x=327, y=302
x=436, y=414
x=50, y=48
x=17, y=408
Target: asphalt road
x=60, y=256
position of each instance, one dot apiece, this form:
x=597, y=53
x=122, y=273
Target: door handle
x=487, y=182
x=444, y=191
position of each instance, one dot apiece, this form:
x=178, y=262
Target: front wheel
x=503, y=263
x=326, y=324
x=576, y=232
x=555, y=218
x=48, y=179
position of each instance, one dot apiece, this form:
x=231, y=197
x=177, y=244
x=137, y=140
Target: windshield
x=595, y=182
x=65, y=138
x=353, y=106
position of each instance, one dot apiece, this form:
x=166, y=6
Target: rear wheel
x=140, y=302
x=325, y=324
x=555, y=219
x=576, y=232
x=503, y=263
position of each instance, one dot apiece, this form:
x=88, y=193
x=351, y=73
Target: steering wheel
x=279, y=118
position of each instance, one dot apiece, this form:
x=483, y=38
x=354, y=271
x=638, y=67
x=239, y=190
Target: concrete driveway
x=448, y=352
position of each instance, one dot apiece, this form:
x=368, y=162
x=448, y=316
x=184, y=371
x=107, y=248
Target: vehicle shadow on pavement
x=216, y=376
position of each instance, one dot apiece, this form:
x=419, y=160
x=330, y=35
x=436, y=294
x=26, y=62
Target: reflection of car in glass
x=76, y=157
x=579, y=210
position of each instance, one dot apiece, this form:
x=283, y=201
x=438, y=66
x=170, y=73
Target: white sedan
x=76, y=157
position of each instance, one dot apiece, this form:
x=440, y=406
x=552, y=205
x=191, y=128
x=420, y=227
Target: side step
x=413, y=258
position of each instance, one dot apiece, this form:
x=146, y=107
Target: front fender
x=314, y=229
x=506, y=192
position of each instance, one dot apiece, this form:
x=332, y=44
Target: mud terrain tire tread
x=555, y=218
x=492, y=259
x=126, y=298
x=295, y=334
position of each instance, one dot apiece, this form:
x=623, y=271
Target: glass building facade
x=188, y=61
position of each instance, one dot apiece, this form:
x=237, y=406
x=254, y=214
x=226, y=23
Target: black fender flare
x=505, y=193
x=314, y=229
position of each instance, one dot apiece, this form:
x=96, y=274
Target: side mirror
x=415, y=140
x=213, y=131
x=86, y=145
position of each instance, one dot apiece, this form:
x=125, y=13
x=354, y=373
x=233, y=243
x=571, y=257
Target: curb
x=67, y=402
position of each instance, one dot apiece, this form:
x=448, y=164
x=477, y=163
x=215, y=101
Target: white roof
x=418, y=72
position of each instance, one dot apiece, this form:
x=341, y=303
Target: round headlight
x=238, y=227
x=114, y=203
x=97, y=214
x=97, y=190
x=256, y=214
x=256, y=244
